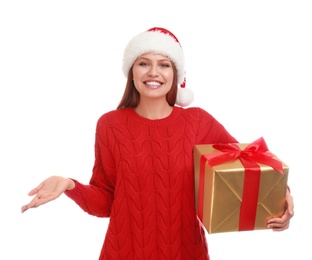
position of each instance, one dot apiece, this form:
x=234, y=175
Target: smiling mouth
x=153, y=84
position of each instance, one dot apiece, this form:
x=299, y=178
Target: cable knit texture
x=143, y=180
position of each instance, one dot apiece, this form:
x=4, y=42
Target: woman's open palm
x=48, y=190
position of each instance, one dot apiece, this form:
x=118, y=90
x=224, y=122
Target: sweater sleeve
x=211, y=131
x=97, y=197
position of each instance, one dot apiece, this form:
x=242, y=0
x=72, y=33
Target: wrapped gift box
x=232, y=195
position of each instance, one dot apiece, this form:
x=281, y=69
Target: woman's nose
x=153, y=71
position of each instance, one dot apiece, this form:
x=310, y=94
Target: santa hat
x=161, y=41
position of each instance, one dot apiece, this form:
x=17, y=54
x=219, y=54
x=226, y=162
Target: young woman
x=143, y=177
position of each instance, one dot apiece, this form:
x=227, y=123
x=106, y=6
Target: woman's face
x=153, y=76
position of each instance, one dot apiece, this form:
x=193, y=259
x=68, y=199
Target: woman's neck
x=153, y=110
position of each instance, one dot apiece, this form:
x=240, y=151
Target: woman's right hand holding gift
x=282, y=223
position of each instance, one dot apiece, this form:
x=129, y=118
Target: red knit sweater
x=143, y=180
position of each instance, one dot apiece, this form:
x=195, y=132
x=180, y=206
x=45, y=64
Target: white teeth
x=153, y=83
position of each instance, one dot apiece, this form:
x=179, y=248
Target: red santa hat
x=161, y=41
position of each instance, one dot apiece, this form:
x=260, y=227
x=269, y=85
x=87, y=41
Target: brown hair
x=131, y=96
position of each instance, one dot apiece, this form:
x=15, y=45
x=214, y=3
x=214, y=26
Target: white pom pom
x=185, y=97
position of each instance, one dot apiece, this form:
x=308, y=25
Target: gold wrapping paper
x=223, y=188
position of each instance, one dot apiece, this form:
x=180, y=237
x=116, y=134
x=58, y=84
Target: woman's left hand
x=282, y=223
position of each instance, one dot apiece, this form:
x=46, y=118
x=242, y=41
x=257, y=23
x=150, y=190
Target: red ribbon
x=256, y=152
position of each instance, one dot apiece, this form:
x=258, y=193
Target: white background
x=248, y=63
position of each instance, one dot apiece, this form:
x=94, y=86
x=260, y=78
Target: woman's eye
x=164, y=65
x=143, y=64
